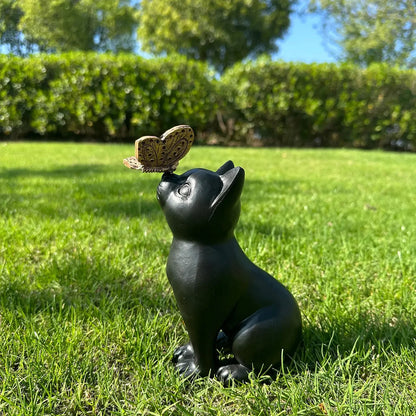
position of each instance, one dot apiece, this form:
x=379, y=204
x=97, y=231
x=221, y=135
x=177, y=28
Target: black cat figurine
x=224, y=299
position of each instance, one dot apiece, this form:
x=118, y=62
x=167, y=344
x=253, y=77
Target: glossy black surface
x=225, y=300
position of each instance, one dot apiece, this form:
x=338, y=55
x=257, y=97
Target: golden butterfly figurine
x=154, y=154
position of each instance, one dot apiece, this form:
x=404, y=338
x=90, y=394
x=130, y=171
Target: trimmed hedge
x=102, y=96
x=107, y=97
x=322, y=104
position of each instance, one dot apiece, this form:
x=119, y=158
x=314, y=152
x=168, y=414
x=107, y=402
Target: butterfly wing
x=176, y=144
x=132, y=163
x=148, y=152
x=154, y=154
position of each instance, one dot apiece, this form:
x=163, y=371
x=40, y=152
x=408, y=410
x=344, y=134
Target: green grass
x=88, y=320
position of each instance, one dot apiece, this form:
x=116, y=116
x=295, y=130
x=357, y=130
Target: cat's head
x=202, y=205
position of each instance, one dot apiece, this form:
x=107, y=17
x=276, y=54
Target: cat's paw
x=237, y=372
x=187, y=368
x=183, y=353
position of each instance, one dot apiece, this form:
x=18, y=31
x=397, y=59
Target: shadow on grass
x=94, y=189
x=116, y=199
x=358, y=336
x=266, y=189
x=333, y=352
x=90, y=287
x=89, y=192
x=262, y=229
x=69, y=171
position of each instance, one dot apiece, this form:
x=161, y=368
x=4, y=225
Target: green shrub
x=321, y=104
x=103, y=96
x=107, y=97
x=21, y=83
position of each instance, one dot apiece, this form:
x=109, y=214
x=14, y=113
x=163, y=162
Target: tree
x=220, y=32
x=66, y=25
x=372, y=31
x=10, y=36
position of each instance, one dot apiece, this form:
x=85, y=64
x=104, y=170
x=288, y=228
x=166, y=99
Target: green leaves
x=216, y=31
x=102, y=96
x=322, y=104
x=109, y=97
x=67, y=25
x=10, y=15
x=371, y=32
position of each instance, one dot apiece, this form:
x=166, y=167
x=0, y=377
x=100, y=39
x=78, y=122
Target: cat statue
x=225, y=300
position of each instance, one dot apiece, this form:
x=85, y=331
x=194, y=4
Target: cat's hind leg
x=262, y=340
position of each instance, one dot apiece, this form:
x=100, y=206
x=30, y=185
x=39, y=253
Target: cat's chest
x=202, y=276
x=198, y=265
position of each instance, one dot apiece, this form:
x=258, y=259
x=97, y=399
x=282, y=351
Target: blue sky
x=304, y=41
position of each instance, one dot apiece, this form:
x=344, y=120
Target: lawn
x=88, y=320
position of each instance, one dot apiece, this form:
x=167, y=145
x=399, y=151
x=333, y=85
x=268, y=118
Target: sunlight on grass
x=89, y=321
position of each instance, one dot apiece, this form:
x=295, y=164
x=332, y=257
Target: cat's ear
x=225, y=167
x=233, y=181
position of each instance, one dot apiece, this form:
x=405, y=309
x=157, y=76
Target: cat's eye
x=184, y=190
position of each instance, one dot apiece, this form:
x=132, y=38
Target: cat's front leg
x=184, y=356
